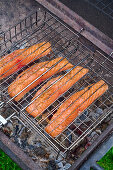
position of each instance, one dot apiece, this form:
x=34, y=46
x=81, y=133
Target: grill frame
x=76, y=22
x=23, y=116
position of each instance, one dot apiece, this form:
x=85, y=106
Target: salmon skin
x=19, y=58
x=30, y=75
x=51, y=94
x=72, y=107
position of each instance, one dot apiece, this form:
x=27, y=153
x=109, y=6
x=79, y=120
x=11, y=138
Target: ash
x=34, y=146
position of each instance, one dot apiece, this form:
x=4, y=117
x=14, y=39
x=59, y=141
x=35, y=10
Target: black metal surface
x=105, y=6
x=76, y=22
x=16, y=154
x=98, y=154
x=96, y=12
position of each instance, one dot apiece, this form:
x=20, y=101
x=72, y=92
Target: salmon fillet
x=54, y=92
x=30, y=75
x=19, y=58
x=72, y=107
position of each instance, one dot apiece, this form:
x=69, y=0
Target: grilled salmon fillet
x=72, y=107
x=19, y=58
x=51, y=94
x=31, y=74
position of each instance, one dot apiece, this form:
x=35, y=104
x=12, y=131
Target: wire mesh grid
x=105, y=6
x=42, y=26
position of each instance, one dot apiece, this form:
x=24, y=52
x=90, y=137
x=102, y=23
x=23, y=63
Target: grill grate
x=105, y=6
x=42, y=26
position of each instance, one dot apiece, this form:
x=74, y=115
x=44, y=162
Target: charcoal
x=68, y=133
x=60, y=165
x=17, y=140
x=8, y=112
x=104, y=126
x=24, y=134
x=82, y=117
x=31, y=147
x=10, y=126
x=16, y=130
x=52, y=156
x=79, y=151
x=31, y=139
x=51, y=165
x=67, y=166
x=7, y=131
x=99, y=111
x=60, y=158
x=23, y=143
x=87, y=145
x=37, y=144
x=98, y=131
x=40, y=151
x=94, y=135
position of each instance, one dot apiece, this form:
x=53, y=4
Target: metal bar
x=47, y=80
x=89, y=130
x=40, y=59
x=52, y=84
x=24, y=58
x=82, y=56
x=71, y=105
x=31, y=38
x=60, y=103
x=91, y=148
x=101, y=104
x=107, y=5
x=77, y=22
x=17, y=154
x=28, y=35
x=35, y=80
x=46, y=23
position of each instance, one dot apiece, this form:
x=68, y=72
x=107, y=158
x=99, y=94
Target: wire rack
x=105, y=6
x=42, y=26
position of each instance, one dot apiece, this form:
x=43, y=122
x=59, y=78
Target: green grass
x=6, y=163
x=107, y=160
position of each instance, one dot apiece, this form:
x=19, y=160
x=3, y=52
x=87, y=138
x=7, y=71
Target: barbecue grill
x=40, y=26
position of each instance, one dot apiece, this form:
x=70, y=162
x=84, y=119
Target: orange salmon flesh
x=67, y=112
x=31, y=74
x=19, y=58
x=52, y=93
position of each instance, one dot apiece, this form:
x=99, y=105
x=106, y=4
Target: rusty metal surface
x=12, y=11
x=17, y=154
x=78, y=23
